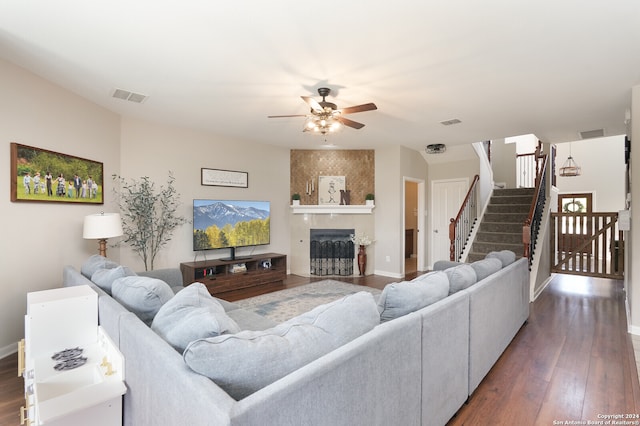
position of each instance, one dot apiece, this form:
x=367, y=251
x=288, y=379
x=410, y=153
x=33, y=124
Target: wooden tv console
x=219, y=276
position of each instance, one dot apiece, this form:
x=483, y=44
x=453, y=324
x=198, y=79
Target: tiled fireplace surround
x=358, y=168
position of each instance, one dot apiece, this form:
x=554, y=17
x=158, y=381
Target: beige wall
x=152, y=149
x=393, y=165
x=39, y=238
x=633, y=264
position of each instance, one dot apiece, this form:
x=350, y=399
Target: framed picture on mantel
x=329, y=188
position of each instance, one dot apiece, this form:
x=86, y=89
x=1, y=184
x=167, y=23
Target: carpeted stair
x=501, y=226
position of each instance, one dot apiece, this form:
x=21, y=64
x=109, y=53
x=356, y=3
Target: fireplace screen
x=332, y=252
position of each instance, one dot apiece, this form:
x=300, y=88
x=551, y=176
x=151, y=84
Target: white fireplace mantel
x=332, y=209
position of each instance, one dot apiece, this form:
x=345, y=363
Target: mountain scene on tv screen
x=219, y=225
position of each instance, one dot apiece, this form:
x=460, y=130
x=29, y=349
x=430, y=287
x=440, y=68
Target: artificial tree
x=148, y=215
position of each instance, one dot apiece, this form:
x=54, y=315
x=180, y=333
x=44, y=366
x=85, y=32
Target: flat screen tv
x=219, y=224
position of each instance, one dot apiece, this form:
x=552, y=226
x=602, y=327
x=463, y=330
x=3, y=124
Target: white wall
x=503, y=160
x=596, y=157
x=40, y=238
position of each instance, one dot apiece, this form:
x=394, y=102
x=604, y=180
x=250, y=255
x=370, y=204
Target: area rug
x=286, y=304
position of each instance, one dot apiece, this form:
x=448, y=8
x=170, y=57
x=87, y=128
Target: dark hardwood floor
x=572, y=361
x=11, y=391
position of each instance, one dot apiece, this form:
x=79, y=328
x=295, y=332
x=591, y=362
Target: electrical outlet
x=388, y=258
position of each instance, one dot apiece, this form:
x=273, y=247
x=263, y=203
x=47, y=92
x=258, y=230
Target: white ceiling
x=504, y=68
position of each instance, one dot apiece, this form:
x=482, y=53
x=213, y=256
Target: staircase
x=501, y=226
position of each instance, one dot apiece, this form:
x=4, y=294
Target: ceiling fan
x=325, y=116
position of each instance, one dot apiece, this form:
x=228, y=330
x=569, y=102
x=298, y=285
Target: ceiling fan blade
x=283, y=116
x=349, y=123
x=312, y=103
x=359, y=108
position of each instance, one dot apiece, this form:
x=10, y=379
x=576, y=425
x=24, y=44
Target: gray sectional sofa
x=415, y=368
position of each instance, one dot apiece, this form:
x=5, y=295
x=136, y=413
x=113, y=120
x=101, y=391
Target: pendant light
x=570, y=168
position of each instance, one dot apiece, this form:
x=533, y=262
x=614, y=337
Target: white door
x=446, y=198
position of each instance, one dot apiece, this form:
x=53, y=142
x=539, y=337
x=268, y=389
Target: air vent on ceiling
x=129, y=96
x=589, y=134
x=450, y=122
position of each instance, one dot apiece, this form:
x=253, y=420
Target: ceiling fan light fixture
x=325, y=117
x=322, y=124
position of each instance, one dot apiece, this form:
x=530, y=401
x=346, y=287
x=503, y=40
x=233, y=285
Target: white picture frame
x=329, y=188
x=217, y=177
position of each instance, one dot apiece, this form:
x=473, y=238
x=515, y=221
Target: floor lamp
x=101, y=226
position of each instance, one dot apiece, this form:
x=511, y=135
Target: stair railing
x=460, y=227
x=533, y=221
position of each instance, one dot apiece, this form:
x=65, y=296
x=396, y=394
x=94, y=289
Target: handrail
x=461, y=226
x=532, y=223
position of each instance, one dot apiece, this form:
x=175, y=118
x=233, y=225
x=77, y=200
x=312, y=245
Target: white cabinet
x=73, y=373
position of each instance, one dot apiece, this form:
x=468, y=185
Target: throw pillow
x=398, y=299
x=486, y=267
x=244, y=362
x=190, y=315
x=441, y=265
x=507, y=257
x=103, y=278
x=460, y=277
x=95, y=262
x=141, y=295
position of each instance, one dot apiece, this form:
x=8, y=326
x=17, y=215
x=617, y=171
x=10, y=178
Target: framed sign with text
x=217, y=177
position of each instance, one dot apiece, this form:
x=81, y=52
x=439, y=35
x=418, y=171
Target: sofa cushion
x=247, y=361
x=441, y=265
x=190, y=315
x=398, y=299
x=141, y=295
x=95, y=262
x=171, y=276
x=104, y=278
x=248, y=320
x=507, y=257
x=486, y=267
x=460, y=277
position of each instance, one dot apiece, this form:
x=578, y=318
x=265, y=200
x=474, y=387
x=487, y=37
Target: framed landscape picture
x=40, y=175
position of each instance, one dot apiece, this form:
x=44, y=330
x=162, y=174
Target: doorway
x=413, y=224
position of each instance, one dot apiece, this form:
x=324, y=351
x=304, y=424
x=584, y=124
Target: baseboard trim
x=8, y=350
x=388, y=274
x=544, y=285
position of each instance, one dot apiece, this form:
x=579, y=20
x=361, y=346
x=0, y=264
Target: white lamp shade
x=101, y=226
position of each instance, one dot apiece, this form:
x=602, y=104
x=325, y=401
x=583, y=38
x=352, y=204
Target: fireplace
x=331, y=252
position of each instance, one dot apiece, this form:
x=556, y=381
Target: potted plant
x=149, y=216
x=369, y=198
x=295, y=199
